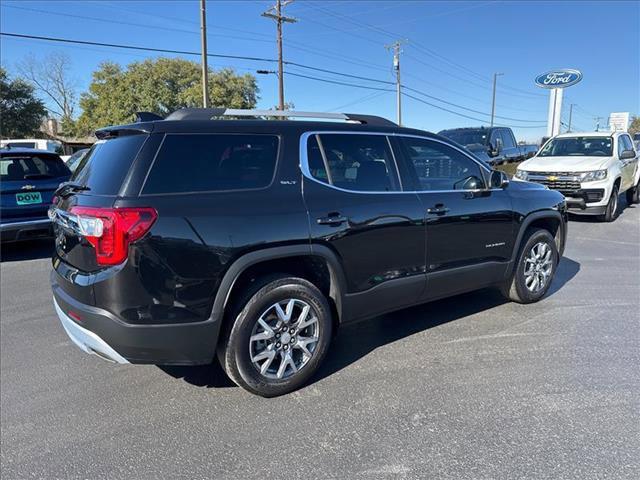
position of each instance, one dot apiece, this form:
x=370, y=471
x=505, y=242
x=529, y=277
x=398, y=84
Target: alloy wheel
x=284, y=338
x=538, y=266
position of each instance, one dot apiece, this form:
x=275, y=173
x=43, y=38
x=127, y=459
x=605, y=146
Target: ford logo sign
x=559, y=78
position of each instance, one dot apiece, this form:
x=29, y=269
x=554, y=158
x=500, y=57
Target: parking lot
x=469, y=387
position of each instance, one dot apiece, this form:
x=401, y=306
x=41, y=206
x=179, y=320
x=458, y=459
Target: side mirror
x=627, y=155
x=469, y=183
x=499, y=179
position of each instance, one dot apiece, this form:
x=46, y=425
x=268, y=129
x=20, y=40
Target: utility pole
x=275, y=13
x=205, y=68
x=597, y=120
x=395, y=46
x=493, y=100
x=570, y=115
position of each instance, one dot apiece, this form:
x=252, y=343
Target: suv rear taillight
x=111, y=230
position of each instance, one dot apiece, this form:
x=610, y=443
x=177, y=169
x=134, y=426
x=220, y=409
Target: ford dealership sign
x=559, y=78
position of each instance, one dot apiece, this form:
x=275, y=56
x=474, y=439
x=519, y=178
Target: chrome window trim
x=304, y=162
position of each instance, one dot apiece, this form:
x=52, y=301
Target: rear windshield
x=21, y=144
x=106, y=164
x=31, y=167
x=212, y=162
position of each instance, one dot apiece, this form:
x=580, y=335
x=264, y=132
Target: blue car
x=28, y=179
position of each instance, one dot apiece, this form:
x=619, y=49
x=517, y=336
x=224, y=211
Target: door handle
x=333, y=220
x=438, y=209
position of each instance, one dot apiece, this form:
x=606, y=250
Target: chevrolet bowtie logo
x=552, y=178
x=27, y=187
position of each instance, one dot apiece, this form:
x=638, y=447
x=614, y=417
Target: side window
x=441, y=167
x=621, y=145
x=362, y=163
x=507, y=139
x=212, y=162
x=628, y=144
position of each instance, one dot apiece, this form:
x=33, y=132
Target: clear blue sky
x=453, y=49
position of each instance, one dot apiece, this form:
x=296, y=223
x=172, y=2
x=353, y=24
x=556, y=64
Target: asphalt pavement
x=468, y=387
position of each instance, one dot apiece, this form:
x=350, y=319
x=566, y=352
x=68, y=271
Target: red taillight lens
x=111, y=230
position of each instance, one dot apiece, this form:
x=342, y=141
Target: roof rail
x=209, y=113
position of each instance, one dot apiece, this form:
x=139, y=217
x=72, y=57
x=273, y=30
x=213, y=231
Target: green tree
x=160, y=86
x=20, y=112
x=635, y=125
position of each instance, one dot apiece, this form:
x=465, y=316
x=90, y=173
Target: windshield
x=578, y=147
x=467, y=137
x=31, y=167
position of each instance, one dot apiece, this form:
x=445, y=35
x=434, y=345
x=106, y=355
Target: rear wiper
x=67, y=188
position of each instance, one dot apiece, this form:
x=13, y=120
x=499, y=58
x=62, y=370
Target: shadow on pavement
x=27, y=250
x=210, y=376
x=355, y=341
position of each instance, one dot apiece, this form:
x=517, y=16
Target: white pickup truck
x=589, y=169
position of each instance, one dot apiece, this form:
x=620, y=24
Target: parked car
x=253, y=240
x=589, y=169
x=74, y=160
x=33, y=143
x=28, y=179
x=494, y=145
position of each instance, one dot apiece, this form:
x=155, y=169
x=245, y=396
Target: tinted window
x=355, y=162
x=107, y=163
x=507, y=139
x=31, y=167
x=21, y=144
x=440, y=167
x=467, y=137
x=201, y=163
x=628, y=144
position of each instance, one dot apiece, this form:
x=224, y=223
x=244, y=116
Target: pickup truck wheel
x=535, y=268
x=611, y=212
x=280, y=335
x=633, y=194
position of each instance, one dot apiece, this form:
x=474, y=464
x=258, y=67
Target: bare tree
x=51, y=76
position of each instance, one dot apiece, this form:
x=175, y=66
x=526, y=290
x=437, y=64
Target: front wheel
x=280, y=335
x=535, y=268
x=633, y=194
x=611, y=211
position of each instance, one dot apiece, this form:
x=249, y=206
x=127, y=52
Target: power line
x=249, y=58
x=461, y=114
x=471, y=109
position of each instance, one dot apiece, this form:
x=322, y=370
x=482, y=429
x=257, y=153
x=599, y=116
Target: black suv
x=183, y=238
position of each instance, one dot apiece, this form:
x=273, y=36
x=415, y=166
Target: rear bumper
x=97, y=331
x=14, y=231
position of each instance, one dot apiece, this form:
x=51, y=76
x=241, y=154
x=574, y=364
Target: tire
x=633, y=194
x=520, y=287
x=262, y=337
x=611, y=212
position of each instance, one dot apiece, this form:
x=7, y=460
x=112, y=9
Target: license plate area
x=28, y=198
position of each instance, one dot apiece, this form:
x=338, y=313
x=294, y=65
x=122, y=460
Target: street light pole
x=570, y=115
x=205, y=68
x=395, y=46
x=493, y=101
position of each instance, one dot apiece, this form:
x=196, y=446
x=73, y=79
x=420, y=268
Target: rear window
x=21, y=144
x=107, y=163
x=32, y=167
x=212, y=162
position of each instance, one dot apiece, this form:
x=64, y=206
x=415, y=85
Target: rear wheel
x=535, y=268
x=280, y=335
x=611, y=212
x=633, y=194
